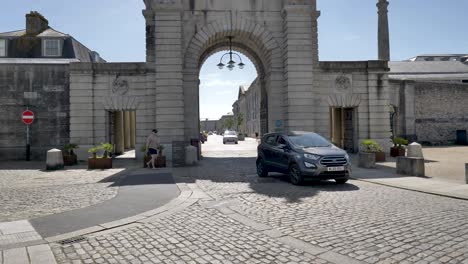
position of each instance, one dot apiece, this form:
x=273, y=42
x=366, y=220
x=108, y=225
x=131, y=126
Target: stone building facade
x=429, y=97
x=346, y=101
x=35, y=74
x=248, y=104
x=209, y=125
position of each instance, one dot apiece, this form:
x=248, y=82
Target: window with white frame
x=52, y=48
x=3, y=48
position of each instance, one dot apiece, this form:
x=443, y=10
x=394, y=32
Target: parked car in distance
x=230, y=136
x=302, y=155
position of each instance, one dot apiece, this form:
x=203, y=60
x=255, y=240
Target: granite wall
x=440, y=110
x=45, y=89
x=430, y=112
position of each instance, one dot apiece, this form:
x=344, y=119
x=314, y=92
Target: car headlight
x=311, y=156
x=346, y=156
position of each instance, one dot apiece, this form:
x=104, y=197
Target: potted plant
x=398, y=148
x=161, y=159
x=367, y=155
x=372, y=146
x=107, y=147
x=102, y=163
x=69, y=156
x=93, y=152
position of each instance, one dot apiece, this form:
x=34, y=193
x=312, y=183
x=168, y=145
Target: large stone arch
x=251, y=39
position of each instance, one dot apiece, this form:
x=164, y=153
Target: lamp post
x=231, y=64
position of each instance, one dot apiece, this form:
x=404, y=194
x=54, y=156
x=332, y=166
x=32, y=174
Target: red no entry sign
x=28, y=117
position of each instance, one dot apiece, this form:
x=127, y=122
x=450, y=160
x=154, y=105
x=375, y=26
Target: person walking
x=152, y=143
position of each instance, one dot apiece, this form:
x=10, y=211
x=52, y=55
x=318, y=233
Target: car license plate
x=336, y=168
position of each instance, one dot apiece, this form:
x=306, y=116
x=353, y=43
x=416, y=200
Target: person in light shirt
x=152, y=143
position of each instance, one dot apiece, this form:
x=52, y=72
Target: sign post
x=28, y=118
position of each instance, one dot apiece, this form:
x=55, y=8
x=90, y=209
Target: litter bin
x=196, y=143
x=461, y=137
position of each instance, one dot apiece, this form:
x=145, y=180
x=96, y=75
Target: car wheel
x=295, y=175
x=262, y=170
x=341, y=181
x=237, y=142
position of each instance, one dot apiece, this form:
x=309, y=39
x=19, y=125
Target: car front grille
x=333, y=161
x=332, y=174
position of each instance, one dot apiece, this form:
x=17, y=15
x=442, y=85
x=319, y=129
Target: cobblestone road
x=31, y=192
x=369, y=223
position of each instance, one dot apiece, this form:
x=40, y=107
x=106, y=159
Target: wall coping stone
x=124, y=67
x=353, y=66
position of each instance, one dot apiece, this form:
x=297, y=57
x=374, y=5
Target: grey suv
x=302, y=155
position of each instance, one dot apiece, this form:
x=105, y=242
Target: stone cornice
x=300, y=10
x=161, y=5
x=123, y=68
x=354, y=66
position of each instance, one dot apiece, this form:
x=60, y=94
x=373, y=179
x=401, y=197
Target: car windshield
x=309, y=141
x=230, y=133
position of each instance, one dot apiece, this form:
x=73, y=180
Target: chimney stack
x=384, y=35
x=35, y=23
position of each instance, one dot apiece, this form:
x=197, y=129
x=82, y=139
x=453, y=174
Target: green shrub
x=143, y=149
x=107, y=147
x=371, y=146
x=68, y=148
x=398, y=142
x=93, y=150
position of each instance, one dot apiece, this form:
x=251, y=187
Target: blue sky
x=347, y=31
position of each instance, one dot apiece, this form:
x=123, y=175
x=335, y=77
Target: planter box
x=366, y=160
x=70, y=160
x=99, y=164
x=160, y=162
x=380, y=157
x=397, y=152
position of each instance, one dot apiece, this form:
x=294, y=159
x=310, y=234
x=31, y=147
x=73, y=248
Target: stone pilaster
x=383, y=31
x=169, y=74
x=301, y=59
x=150, y=36
x=132, y=129
x=119, y=132
x=127, y=129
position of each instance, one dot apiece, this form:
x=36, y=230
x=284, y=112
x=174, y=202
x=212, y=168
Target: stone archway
x=279, y=36
x=254, y=41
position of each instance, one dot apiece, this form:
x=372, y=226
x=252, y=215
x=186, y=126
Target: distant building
x=209, y=125
x=441, y=57
x=248, y=104
x=34, y=73
x=429, y=95
x=221, y=124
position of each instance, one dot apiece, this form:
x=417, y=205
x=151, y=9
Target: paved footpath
x=140, y=191
x=225, y=214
